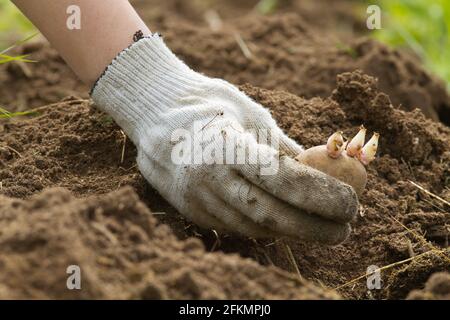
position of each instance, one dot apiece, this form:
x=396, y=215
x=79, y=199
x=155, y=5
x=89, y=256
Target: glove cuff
x=143, y=81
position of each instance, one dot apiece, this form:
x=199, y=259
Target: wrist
x=106, y=51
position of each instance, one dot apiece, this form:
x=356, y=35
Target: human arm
x=105, y=30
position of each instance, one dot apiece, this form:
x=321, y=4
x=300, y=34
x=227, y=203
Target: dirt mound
x=396, y=220
x=122, y=253
x=68, y=145
x=73, y=145
x=282, y=51
x=115, y=239
x=342, y=17
x=288, y=54
x=436, y=288
x=31, y=85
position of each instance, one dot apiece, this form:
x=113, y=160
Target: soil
x=31, y=85
x=436, y=288
x=287, y=53
x=123, y=254
x=305, y=75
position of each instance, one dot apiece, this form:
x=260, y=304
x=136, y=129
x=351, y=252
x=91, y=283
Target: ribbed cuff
x=143, y=81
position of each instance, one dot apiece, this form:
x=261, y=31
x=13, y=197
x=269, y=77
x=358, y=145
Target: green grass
x=13, y=24
x=267, y=6
x=12, y=19
x=422, y=26
x=5, y=114
x=4, y=58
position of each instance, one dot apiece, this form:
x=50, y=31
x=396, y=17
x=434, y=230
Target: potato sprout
x=342, y=160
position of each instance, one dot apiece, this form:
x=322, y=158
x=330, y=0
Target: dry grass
x=389, y=266
x=430, y=193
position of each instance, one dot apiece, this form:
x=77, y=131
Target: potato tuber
x=344, y=161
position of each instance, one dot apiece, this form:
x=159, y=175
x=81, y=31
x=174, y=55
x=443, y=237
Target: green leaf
x=267, y=6
x=5, y=114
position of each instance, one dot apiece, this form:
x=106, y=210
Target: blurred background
x=420, y=26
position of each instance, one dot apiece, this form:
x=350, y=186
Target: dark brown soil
x=26, y=86
x=123, y=254
x=394, y=215
x=72, y=145
x=287, y=53
x=343, y=17
x=436, y=288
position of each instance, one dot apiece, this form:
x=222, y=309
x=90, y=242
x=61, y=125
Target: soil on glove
x=98, y=224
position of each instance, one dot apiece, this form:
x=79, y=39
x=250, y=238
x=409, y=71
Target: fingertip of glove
x=338, y=237
x=346, y=203
x=352, y=205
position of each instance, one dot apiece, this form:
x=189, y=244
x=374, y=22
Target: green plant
x=347, y=49
x=5, y=114
x=4, y=58
x=422, y=26
x=267, y=6
x=12, y=19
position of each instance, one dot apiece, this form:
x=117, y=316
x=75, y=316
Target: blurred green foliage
x=4, y=58
x=421, y=25
x=13, y=25
x=267, y=6
x=5, y=114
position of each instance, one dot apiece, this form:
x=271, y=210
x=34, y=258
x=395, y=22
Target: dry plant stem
x=292, y=260
x=433, y=205
x=243, y=46
x=12, y=149
x=217, y=242
x=268, y=258
x=389, y=267
x=429, y=193
x=124, y=143
x=420, y=238
x=213, y=19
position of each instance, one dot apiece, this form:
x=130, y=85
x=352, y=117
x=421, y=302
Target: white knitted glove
x=162, y=104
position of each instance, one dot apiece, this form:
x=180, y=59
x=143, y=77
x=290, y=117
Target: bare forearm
x=106, y=28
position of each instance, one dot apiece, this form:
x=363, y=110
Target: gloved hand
x=166, y=109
